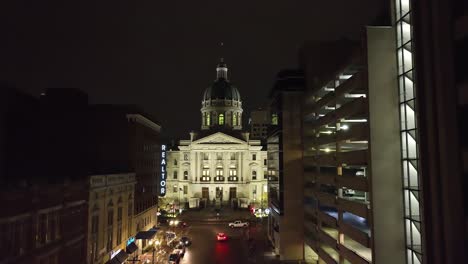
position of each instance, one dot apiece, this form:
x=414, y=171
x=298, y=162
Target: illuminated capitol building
x=219, y=163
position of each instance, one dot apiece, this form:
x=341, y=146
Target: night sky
x=162, y=55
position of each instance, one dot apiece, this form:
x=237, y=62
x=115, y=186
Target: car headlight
x=171, y=222
x=176, y=222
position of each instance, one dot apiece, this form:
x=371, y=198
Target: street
x=206, y=249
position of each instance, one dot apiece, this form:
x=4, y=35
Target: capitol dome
x=221, y=103
x=221, y=89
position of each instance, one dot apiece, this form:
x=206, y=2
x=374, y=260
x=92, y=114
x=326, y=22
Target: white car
x=238, y=223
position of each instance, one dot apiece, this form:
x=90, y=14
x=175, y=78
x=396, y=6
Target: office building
x=285, y=171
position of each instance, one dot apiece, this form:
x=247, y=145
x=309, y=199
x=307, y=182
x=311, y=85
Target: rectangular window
x=175, y=175
x=42, y=229
x=185, y=156
x=174, y=188
x=254, y=175
x=130, y=209
x=119, y=234
x=185, y=175
x=254, y=156
x=110, y=217
x=205, y=179
x=94, y=224
x=219, y=178
x=206, y=172
x=119, y=214
x=185, y=189
x=233, y=178
x=109, y=240
x=264, y=162
x=232, y=172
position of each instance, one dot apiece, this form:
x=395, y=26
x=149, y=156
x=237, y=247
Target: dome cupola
x=221, y=103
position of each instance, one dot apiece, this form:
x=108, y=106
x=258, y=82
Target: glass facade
x=409, y=131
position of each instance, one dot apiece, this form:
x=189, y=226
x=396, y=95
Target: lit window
x=274, y=119
x=234, y=119
x=208, y=120
x=221, y=119
x=232, y=172
x=185, y=175
x=219, y=172
x=206, y=172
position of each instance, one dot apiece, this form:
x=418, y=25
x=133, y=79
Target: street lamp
x=180, y=190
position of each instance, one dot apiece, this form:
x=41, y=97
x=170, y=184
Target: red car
x=221, y=237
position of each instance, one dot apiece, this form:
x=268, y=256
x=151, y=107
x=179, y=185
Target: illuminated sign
x=130, y=240
x=113, y=253
x=162, y=182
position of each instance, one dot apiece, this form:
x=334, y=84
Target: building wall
x=291, y=225
x=109, y=193
x=35, y=224
x=385, y=168
x=145, y=149
x=286, y=220
x=259, y=121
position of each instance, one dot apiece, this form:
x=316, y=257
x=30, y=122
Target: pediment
x=219, y=138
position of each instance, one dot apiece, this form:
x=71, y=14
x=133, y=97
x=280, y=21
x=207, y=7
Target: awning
x=120, y=258
x=132, y=247
x=146, y=234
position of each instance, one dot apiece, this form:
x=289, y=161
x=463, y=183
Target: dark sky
x=162, y=55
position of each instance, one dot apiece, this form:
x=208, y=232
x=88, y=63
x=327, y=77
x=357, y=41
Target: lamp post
x=180, y=190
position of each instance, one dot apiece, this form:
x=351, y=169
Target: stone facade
x=110, y=215
x=218, y=166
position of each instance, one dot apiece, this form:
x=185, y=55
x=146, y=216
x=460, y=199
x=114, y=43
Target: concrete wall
x=386, y=178
x=292, y=222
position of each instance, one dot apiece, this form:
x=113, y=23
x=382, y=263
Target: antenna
x=221, y=44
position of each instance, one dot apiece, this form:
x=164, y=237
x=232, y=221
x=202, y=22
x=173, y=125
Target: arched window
x=208, y=120
x=234, y=119
x=221, y=119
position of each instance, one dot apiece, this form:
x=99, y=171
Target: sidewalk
x=226, y=214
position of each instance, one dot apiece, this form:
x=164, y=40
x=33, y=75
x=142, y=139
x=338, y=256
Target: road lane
x=205, y=249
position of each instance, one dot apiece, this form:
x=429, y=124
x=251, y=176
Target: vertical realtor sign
x=162, y=182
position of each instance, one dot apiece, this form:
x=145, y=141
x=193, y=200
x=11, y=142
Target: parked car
x=348, y=192
x=186, y=241
x=238, y=223
x=174, y=258
x=180, y=249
